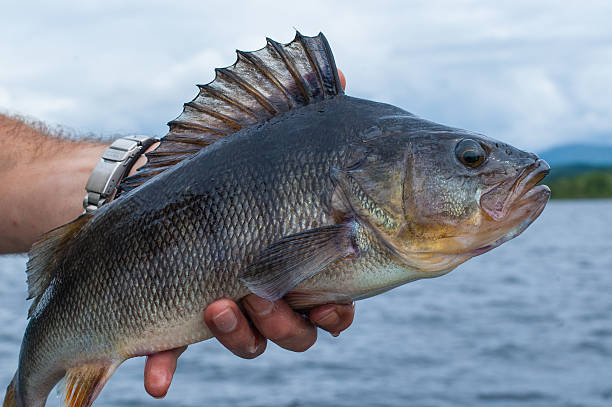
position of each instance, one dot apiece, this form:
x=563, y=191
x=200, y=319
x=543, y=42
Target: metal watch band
x=112, y=167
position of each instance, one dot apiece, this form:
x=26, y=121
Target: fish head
x=439, y=196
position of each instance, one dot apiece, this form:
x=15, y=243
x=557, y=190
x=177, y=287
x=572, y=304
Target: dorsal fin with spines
x=258, y=86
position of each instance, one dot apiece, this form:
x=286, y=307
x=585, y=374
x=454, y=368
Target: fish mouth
x=499, y=200
x=530, y=177
x=524, y=204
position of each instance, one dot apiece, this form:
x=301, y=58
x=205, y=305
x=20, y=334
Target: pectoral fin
x=295, y=258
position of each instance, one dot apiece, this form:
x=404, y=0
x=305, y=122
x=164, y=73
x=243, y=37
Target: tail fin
x=82, y=384
x=10, y=399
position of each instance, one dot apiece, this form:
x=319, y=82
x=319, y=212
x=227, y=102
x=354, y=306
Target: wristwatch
x=115, y=164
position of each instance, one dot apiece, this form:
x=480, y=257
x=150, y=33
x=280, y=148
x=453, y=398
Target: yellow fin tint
x=84, y=383
x=10, y=399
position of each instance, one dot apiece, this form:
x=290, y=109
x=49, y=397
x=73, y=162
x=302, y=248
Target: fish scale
x=324, y=198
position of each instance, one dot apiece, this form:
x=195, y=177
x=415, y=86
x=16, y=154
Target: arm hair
x=43, y=173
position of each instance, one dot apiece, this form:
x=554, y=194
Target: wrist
x=115, y=164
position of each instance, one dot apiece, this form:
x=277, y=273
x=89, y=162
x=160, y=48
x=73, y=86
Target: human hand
x=275, y=321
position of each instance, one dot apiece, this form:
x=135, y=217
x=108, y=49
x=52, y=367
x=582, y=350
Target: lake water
x=529, y=324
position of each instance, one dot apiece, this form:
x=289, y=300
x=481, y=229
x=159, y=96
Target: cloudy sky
x=533, y=73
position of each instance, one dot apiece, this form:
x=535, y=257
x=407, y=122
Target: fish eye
x=470, y=153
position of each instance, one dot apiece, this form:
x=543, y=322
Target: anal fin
x=85, y=382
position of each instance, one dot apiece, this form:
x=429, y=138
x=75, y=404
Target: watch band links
x=115, y=163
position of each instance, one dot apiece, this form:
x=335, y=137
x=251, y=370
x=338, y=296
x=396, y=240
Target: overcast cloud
x=533, y=73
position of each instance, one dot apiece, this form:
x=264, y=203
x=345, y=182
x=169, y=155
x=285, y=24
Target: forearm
x=42, y=181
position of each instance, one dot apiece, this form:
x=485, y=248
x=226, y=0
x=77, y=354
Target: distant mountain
x=585, y=154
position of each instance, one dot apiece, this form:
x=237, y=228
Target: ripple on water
x=602, y=332
x=597, y=348
x=516, y=396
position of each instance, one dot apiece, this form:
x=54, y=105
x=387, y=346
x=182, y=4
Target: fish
x=272, y=181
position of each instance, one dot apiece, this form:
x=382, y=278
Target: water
x=528, y=324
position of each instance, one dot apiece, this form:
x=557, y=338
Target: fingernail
x=328, y=318
x=254, y=345
x=226, y=320
x=259, y=306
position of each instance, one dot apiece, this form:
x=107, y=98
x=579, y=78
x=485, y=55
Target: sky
x=532, y=73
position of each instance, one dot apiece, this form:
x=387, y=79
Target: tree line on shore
x=580, y=182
